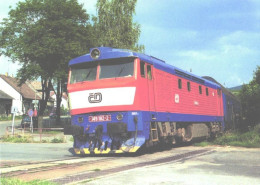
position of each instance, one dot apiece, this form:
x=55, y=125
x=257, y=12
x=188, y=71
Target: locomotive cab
x=120, y=84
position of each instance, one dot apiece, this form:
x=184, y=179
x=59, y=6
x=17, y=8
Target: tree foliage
x=114, y=24
x=43, y=35
x=250, y=99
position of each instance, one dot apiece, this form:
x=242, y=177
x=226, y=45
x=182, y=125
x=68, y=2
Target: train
x=121, y=101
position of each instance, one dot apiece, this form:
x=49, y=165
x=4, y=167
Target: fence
x=51, y=123
x=38, y=135
x=50, y=131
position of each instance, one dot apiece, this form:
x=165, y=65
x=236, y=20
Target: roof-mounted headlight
x=95, y=53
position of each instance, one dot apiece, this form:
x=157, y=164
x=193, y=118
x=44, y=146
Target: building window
x=207, y=91
x=188, y=86
x=200, y=89
x=142, y=68
x=179, y=83
x=149, y=72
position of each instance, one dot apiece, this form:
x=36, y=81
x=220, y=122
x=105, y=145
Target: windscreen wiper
x=121, y=70
x=89, y=73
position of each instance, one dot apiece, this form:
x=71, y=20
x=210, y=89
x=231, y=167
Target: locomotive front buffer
x=116, y=132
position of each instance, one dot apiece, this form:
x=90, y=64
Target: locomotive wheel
x=184, y=134
x=187, y=133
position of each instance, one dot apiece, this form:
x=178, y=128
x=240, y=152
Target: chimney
x=6, y=74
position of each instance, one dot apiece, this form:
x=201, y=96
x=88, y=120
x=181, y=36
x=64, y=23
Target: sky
x=217, y=38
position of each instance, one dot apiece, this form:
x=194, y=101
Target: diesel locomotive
x=121, y=100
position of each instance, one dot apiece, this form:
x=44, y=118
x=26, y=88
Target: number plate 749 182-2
x=99, y=118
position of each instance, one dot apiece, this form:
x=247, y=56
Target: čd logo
x=95, y=97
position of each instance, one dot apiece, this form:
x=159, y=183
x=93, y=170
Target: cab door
x=150, y=85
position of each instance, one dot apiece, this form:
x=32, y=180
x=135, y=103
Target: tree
x=250, y=99
x=43, y=35
x=114, y=24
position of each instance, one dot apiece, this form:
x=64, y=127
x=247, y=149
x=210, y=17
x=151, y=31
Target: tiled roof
x=36, y=85
x=24, y=89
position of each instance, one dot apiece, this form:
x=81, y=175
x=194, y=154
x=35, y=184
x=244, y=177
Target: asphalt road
x=225, y=166
x=4, y=124
x=222, y=165
x=34, y=152
x=31, y=151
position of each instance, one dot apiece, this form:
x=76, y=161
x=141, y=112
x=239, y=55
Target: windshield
x=117, y=68
x=83, y=72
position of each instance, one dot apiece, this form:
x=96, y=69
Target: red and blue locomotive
x=121, y=100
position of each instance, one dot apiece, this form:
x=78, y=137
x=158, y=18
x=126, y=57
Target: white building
x=15, y=96
x=64, y=99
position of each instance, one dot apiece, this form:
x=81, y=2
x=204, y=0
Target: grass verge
x=10, y=117
x=96, y=170
x=57, y=140
x=29, y=139
x=17, y=139
x=250, y=139
x=12, y=181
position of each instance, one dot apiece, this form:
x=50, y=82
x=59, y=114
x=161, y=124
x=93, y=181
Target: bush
x=64, y=111
x=249, y=139
x=17, y=139
x=56, y=140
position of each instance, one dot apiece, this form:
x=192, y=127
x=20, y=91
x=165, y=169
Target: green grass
x=57, y=140
x=48, y=132
x=249, y=139
x=202, y=144
x=96, y=170
x=10, y=117
x=71, y=139
x=17, y=139
x=12, y=181
x=29, y=139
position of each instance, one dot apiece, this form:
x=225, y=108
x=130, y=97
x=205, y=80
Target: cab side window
x=149, y=72
x=188, y=86
x=142, y=69
x=200, y=89
x=179, y=84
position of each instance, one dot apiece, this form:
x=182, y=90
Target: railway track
x=33, y=167
x=7, y=164
x=169, y=159
x=78, y=169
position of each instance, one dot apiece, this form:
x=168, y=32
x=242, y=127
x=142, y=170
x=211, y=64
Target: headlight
x=80, y=119
x=95, y=53
x=119, y=117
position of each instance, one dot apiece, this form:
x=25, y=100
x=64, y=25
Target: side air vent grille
x=185, y=75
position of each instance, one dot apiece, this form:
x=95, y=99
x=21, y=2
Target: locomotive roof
x=110, y=53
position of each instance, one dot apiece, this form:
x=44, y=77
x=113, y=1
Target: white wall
x=63, y=103
x=17, y=98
